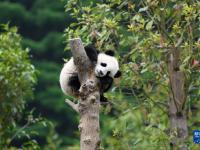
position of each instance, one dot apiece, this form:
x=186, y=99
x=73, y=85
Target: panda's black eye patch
x=103, y=64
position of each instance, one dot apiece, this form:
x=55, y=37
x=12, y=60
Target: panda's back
x=68, y=70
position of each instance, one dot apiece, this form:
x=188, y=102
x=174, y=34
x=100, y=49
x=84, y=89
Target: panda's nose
x=100, y=72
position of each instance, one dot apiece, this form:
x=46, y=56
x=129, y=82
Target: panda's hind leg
x=74, y=83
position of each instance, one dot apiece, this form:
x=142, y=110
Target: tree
x=89, y=103
x=17, y=77
x=159, y=43
x=41, y=24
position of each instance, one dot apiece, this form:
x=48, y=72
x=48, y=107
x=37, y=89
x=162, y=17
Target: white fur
x=112, y=65
x=67, y=71
x=70, y=69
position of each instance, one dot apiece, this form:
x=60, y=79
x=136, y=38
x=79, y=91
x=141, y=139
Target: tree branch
x=72, y=105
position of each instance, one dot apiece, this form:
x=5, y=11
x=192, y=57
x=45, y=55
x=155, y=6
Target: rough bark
x=89, y=103
x=177, y=113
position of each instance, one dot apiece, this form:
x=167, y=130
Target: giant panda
x=106, y=69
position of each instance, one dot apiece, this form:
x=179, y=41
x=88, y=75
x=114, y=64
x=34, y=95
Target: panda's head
x=107, y=65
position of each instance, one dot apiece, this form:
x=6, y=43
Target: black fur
x=104, y=100
x=105, y=82
x=118, y=74
x=105, y=85
x=74, y=82
x=110, y=53
x=91, y=53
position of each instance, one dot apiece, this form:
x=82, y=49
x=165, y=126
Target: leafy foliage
x=41, y=24
x=17, y=77
x=144, y=33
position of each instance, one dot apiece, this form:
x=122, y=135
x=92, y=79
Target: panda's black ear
x=118, y=74
x=110, y=52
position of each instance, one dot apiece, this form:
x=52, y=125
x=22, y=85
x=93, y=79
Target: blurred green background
x=41, y=24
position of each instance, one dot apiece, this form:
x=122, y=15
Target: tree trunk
x=89, y=103
x=177, y=113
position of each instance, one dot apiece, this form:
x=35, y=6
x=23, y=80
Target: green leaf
x=143, y=9
x=149, y=25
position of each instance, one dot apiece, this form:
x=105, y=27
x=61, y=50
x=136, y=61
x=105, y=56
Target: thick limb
x=89, y=103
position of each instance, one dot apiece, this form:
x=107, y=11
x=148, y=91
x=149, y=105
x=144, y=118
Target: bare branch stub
x=72, y=105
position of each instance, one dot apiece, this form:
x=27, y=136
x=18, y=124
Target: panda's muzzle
x=101, y=73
